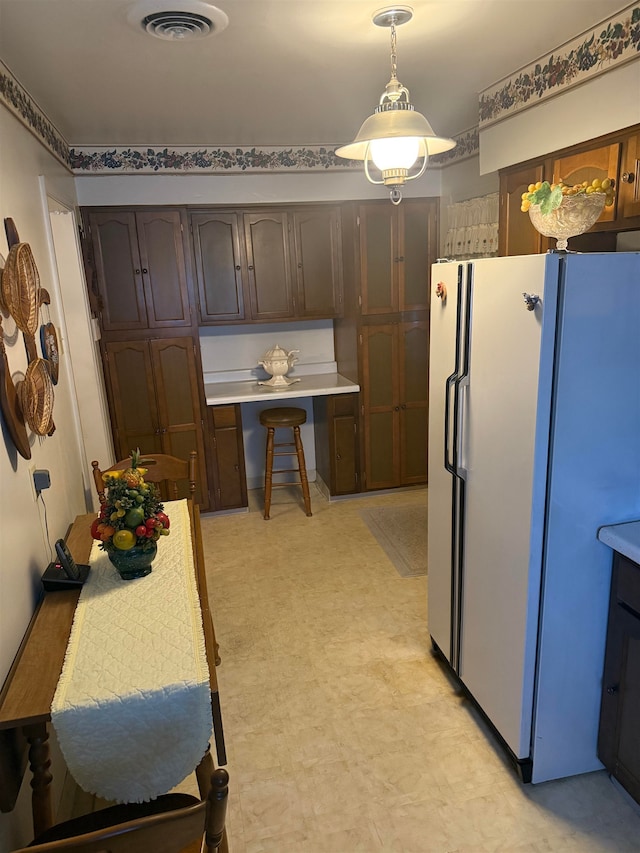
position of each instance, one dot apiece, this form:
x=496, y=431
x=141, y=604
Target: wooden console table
x=25, y=699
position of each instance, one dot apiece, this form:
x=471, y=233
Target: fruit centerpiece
x=562, y=211
x=131, y=520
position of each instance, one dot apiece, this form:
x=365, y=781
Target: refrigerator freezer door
x=501, y=565
x=442, y=352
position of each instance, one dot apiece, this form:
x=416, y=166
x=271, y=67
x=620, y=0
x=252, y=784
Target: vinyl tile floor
x=344, y=733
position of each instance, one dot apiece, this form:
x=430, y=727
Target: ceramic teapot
x=277, y=362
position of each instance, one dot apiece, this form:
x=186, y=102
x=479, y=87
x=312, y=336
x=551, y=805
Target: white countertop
x=310, y=385
x=623, y=538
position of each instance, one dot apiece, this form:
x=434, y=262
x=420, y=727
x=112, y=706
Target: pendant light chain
x=394, y=58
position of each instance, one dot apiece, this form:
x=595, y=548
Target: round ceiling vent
x=177, y=20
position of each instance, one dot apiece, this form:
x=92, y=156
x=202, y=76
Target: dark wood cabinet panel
x=395, y=395
x=629, y=183
x=230, y=483
x=220, y=265
x=140, y=269
x=118, y=270
x=414, y=397
x=397, y=247
x=517, y=236
x=336, y=441
x=160, y=238
x=132, y=399
x=378, y=240
x=318, y=267
x=417, y=244
x=269, y=265
x=154, y=401
x=619, y=731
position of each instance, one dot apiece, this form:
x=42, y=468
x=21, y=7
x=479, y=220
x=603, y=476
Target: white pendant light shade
x=400, y=152
x=395, y=137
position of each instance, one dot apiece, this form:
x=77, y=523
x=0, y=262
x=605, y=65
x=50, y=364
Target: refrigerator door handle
x=462, y=386
x=449, y=465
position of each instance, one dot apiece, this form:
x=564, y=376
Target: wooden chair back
x=160, y=467
x=187, y=829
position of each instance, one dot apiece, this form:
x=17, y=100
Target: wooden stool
x=274, y=419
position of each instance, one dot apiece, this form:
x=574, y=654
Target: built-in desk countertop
x=623, y=538
x=310, y=385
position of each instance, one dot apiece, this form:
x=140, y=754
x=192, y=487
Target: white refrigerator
x=534, y=443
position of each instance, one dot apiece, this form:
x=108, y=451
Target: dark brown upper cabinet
x=268, y=265
x=220, y=265
x=394, y=255
x=317, y=243
x=139, y=260
x=517, y=236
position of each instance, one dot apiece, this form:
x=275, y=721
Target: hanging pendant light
x=395, y=137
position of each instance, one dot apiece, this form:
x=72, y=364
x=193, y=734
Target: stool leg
x=268, y=472
x=303, y=470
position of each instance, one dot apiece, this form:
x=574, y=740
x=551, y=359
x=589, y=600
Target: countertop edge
x=325, y=385
x=623, y=538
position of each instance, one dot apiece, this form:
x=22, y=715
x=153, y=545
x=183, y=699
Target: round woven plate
x=36, y=397
x=21, y=288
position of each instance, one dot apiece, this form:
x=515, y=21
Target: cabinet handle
x=137, y=272
x=612, y=689
x=403, y=406
x=237, y=266
x=338, y=457
x=250, y=267
x=628, y=177
x=401, y=258
x=236, y=467
x=395, y=260
x=396, y=408
x=299, y=266
x=144, y=271
x=158, y=431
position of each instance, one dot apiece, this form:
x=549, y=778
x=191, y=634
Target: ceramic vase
x=134, y=563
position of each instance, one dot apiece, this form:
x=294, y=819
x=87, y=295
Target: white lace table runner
x=132, y=710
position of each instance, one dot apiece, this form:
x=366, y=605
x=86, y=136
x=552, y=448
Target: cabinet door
x=230, y=487
x=163, y=268
x=175, y=368
x=219, y=266
x=118, y=270
x=599, y=163
x=134, y=413
x=318, y=252
x=378, y=258
x=343, y=441
x=417, y=249
x=619, y=732
x=269, y=265
x=517, y=236
x=381, y=406
x=414, y=401
x=628, y=188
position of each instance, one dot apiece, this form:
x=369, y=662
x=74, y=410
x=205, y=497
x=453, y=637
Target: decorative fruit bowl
x=562, y=212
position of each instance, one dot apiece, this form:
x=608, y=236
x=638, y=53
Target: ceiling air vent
x=178, y=20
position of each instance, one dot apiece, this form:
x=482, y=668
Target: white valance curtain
x=472, y=228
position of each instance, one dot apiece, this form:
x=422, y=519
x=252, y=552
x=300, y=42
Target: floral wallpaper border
x=232, y=159
x=18, y=101
x=611, y=43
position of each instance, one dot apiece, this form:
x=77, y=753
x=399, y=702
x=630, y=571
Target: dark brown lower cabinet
x=395, y=400
x=619, y=733
x=154, y=401
x=336, y=442
x=229, y=477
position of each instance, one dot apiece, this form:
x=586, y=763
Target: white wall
x=601, y=105
x=281, y=187
x=28, y=528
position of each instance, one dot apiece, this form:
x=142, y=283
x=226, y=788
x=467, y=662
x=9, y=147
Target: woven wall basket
x=21, y=288
x=35, y=394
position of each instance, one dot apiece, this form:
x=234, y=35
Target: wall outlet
x=41, y=480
